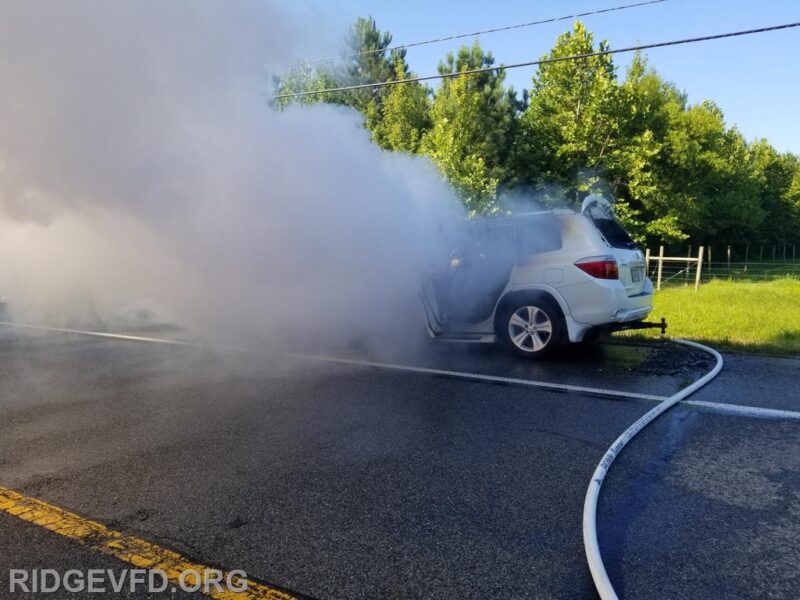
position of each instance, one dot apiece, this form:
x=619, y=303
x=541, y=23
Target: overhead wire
x=542, y=61
x=483, y=32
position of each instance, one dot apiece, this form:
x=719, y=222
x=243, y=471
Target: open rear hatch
x=630, y=258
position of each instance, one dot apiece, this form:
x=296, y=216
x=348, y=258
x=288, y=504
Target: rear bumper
x=622, y=316
x=600, y=302
x=604, y=305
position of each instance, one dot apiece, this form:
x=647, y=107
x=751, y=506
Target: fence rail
x=688, y=263
x=703, y=264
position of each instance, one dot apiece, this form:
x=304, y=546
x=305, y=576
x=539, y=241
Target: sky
x=754, y=79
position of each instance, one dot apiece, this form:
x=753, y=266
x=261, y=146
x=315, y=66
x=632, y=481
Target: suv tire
x=532, y=327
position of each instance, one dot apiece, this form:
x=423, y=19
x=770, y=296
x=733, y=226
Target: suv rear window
x=600, y=212
x=614, y=233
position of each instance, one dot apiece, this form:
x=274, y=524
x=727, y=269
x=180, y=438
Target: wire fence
x=751, y=263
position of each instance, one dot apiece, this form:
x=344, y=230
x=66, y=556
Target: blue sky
x=754, y=79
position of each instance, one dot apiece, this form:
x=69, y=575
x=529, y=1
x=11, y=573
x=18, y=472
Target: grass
x=740, y=316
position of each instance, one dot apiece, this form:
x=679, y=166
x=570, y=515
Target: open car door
x=464, y=291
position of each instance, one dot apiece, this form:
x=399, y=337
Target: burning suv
x=538, y=280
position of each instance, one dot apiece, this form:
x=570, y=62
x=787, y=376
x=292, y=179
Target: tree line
x=676, y=171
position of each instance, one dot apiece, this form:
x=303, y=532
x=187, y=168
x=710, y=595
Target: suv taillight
x=599, y=267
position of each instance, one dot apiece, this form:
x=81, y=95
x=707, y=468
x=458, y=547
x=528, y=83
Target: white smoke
x=141, y=168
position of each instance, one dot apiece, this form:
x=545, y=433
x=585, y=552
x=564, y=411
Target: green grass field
x=761, y=317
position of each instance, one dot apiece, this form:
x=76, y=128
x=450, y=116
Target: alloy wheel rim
x=530, y=328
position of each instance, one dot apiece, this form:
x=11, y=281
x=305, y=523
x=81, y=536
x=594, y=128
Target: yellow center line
x=127, y=548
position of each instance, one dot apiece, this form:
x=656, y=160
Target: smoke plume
x=144, y=176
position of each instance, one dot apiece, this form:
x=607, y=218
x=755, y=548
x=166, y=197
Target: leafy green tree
x=777, y=177
x=569, y=126
x=707, y=166
x=403, y=117
x=675, y=170
x=473, y=122
x=589, y=133
x=306, y=78
x=369, y=63
x=367, y=59
x=793, y=197
x=643, y=200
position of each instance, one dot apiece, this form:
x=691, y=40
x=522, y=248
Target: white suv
x=539, y=280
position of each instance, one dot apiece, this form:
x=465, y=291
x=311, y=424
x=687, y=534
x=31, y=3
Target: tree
x=674, y=170
x=778, y=180
x=793, y=196
x=644, y=200
x=711, y=185
x=586, y=132
x=403, y=117
x=368, y=62
x=305, y=78
x=473, y=121
x=569, y=126
x=364, y=61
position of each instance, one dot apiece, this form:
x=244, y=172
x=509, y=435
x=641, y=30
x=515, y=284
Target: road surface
x=338, y=481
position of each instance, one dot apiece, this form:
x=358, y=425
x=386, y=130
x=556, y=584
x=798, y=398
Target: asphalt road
x=339, y=481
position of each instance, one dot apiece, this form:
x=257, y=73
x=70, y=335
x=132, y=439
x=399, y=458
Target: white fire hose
x=599, y=575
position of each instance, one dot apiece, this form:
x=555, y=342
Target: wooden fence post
x=699, y=268
x=746, y=256
x=647, y=262
x=729, y=259
x=660, y=267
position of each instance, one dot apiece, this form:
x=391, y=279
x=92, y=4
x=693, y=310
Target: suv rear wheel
x=532, y=327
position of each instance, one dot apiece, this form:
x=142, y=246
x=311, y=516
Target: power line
x=542, y=61
x=484, y=32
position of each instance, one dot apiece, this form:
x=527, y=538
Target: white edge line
x=363, y=363
x=735, y=409
x=745, y=410
x=480, y=377
x=116, y=336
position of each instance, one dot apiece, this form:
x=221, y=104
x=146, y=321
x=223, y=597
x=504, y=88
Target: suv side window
x=538, y=237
